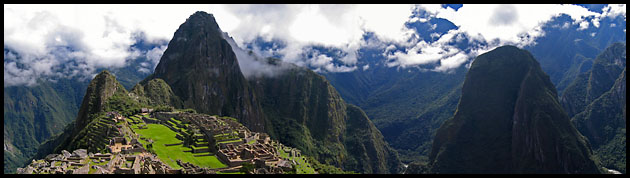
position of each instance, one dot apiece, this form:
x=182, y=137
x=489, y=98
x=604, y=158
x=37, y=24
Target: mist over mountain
x=335, y=81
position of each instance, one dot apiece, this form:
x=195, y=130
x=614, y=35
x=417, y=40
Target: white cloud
x=251, y=64
x=102, y=35
x=495, y=24
x=449, y=57
x=301, y=26
x=154, y=55
x=423, y=53
x=610, y=11
x=583, y=25
x=336, y=68
x=320, y=60
x=613, y=10
x=521, y=19
x=452, y=62
x=48, y=37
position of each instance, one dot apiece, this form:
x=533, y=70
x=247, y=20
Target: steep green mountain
x=599, y=79
x=33, y=114
x=88, y=131
x=367, y=149
x=203, y=72
x=303, y=110
x=596, y=100
x=509, y=120
x=155, y=92
x=41, y=111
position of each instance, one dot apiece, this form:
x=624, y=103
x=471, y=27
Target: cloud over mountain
x=48, y=41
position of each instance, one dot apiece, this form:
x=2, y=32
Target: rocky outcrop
x=203, y=72
x=508, y=120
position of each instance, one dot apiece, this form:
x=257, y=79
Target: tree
x=247, y=168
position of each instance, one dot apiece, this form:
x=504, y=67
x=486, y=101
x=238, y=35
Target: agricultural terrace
x=161, y=135
x=302, y=166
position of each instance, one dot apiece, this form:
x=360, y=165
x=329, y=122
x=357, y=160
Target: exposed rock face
x=508, y=120
x=203, y=71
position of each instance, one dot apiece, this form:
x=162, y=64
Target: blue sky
x=41, y=40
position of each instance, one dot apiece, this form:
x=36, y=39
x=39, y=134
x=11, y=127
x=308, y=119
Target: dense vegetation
x=326, y=168
x=306, y=112
x=155, y=92
x=597, y=100
x=33, y=114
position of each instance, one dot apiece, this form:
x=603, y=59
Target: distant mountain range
x=370, y=120
x=596, y=103
x=410, y=104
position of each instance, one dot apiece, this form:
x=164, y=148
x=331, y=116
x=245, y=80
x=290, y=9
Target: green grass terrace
x=161, y=135
x=302, y=167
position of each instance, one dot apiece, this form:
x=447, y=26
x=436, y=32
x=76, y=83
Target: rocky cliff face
x=508, y=120
x=204, y=73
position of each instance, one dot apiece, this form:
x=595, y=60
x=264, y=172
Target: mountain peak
x=103, y=86
x=103, y=74
x=508, y=120
x=504, y=57
x=202, y=19
x=202, y=69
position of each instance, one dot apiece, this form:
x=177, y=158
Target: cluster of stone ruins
x=235, y=145
x=80, y=162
